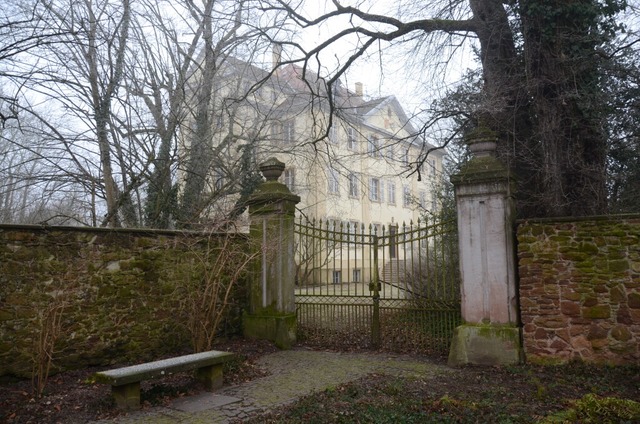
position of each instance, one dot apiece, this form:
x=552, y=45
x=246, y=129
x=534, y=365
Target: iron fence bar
x=375, y=281
x=351, y=312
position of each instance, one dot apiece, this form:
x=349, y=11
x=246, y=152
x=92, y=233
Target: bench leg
x=127, y=396
x=210, y=376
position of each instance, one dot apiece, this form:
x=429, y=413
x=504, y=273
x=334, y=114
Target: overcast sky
x=383, y=72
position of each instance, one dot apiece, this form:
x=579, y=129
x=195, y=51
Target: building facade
x=353, y=160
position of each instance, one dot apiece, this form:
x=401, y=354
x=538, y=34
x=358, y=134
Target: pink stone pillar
x=490, y=333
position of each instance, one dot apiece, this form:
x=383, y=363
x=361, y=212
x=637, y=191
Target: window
x=374, y=189
x=333, y=134
x=284, y=131
x=391, y=195
x=354, y=187
x=391, y=152
x=434, y=204
x=423, y=199
x=290, y=179
x=288, y=132
x=337, y=277
x=382, y=190
x=333, y=182
x=352, y=229
x=351, y=139
x=406, y=196
x=357, y=276
x=405, y=157
x=332, y=233
x=432, y=167
x=373, y=146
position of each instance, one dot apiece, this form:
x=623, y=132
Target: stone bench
x=125, y=382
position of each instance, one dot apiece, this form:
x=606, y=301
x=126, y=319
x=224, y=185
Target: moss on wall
x=121, y=290
x=580, y=288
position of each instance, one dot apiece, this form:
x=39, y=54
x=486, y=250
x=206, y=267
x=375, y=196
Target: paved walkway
x=293, y=374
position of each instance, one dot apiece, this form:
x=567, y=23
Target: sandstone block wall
x=121, y=293
x=580, y=289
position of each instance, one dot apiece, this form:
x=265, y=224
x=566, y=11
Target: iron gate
x=394, y=287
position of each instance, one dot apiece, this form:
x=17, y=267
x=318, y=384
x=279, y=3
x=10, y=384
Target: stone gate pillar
x=490, y=334
x=271, y=313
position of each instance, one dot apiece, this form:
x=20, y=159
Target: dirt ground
x=472, y=394
x=70, y=399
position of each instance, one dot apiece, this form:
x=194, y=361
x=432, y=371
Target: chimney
x=359, y=89
x=276, y=55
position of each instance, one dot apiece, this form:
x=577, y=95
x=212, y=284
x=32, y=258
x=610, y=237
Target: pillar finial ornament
x=272, y=168
x=482, y=142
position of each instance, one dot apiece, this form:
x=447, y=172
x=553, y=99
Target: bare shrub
x=217, y=263
x=47, y=329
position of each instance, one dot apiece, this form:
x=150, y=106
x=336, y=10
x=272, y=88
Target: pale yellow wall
x=312, y=161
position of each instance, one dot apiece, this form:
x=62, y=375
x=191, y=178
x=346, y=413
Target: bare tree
x=540, y=66
x=34, y=188
x=118, y=84
x=21, y=31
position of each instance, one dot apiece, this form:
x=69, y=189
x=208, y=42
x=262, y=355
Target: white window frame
x=354, y=186
x=373, y=146
x=289, y=178
x=406, y=196
x=391, y=152
x=391, y=188
x=333, y=181
x=352, y=139
x=356, y=275
x=337, y=277
x=374, y=189
x=405, y=157
x=352, y=229
x=289, y=131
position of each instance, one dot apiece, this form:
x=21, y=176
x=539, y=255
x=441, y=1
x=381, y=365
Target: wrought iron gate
x=396, y=287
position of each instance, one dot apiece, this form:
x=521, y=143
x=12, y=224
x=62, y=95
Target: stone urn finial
x=482, y=142
x=272, y=168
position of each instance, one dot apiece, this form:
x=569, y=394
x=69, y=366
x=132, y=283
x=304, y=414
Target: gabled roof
x=301, y=86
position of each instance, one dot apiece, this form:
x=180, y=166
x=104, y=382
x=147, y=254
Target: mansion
x=353, y=160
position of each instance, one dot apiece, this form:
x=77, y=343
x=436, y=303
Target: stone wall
x=580, y=289
x=122, y=293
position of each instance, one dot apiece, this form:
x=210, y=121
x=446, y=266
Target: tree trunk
x=563, y=81
x=546, y=110
x=200, y=148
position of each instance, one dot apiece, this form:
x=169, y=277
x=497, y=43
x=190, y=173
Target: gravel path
x=293, y=374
